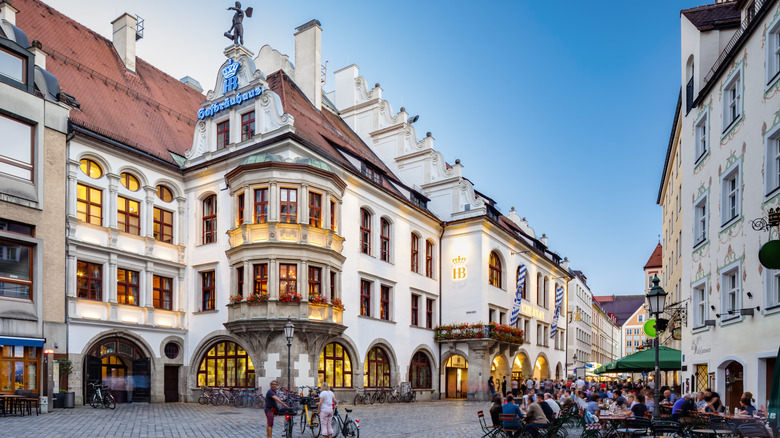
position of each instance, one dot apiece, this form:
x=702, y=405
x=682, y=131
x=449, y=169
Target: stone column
x=179, y=225
x=72, y=269
x=326, y=210
x=112, y=203
x=109, y=282
x=303, y=204
x=273, y=202
x=303, y=280
x=147, y=213
x=273, y=279
x=249, y=277
x=479, y=369
x=249, y=206
x=147, y=286
x=72, y=190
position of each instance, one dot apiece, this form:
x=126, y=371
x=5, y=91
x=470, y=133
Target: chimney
x=124, y=39
x=308, y=60
x=8, y=12
x=40, y=56
x=544, y=239
x=565, y=264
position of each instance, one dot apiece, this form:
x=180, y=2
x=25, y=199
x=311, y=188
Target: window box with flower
x=318, y=299
x=289, y=297
x=258, y=298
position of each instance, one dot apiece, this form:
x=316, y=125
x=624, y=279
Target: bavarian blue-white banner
x=558, y=304
x=518, y=295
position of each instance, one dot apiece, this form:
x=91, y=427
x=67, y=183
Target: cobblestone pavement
x=420, y=419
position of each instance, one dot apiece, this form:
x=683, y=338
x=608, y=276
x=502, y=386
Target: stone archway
x=732, y=374
x=120, y=363
x=456, y=369
x=541, y=368
x=521, y=367
x=559, y=371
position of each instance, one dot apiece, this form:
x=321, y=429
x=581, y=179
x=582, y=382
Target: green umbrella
x=774, y=398
x=669, y=359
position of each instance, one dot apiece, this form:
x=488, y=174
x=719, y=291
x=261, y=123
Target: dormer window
x=12, y=65
x=419, y=201
x=372, y=174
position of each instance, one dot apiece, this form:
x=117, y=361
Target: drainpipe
x=441, y=279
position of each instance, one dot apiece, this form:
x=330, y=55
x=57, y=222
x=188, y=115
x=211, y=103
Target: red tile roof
x=656, y=259
x=709, y=17
x=149, y=110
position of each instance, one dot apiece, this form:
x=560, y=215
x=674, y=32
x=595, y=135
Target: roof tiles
x=709, y=17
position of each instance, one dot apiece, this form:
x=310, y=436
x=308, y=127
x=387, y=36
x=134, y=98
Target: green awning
x=669, y=359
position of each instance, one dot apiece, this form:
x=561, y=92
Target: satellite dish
x=649, y=328
x=769, y=255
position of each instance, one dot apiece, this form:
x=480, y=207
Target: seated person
x=535, y=419
x=548, y=412
x=593, y=404
x=510, y=408
x=619, y=399
x=495, y=409
x=639, y=408
x=682, y=407
x=746, y=408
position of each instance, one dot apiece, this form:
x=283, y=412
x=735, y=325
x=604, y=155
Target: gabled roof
x=622, y=306
x=717, y=16
x=147, y=110
x=656, y=258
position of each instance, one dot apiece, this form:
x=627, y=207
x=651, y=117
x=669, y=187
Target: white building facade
x=580, y=332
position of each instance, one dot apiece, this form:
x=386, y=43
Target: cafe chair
x=635, y=426
x=509, y=417
x=752, y=430
x=666, y=428
x=721, y=426
x=487, y=431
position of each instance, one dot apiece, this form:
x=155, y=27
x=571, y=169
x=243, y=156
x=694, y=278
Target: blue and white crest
x=230, y=70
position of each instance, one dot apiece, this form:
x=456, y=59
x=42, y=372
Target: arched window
x=335, y=367
x=420, y=371
x=415, y=253
x=495, y=270
x=91, y=168
x=226, y=364
x=210, y=219
x=164, y=193
x=365, y=231
x=385, y=237
x=523, y=292
x=428, y=259
x=377, y=369
x=129, y=181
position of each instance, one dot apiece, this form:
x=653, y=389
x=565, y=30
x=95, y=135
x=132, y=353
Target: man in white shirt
x=529, y=384
x=553, y=404
x=580, y=383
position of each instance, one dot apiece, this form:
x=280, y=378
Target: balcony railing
x=282, y=232
x=499, y=332
x=735, y=39
x=274, y=309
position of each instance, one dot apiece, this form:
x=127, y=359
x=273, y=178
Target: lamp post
x=656, y=300
x=574, y=358
x=289, y=329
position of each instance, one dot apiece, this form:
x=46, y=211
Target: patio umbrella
x=669, y=359
x=774, y=398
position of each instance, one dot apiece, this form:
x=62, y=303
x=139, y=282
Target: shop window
x=127, y=287
x=415, y=253
x=91, y=168
x=247, y=125
x=210, y=219
x=129, y=181
x=335, y=367
x=288, y=278
x=495, y=270
x=89, y=204
x=128, y=216
x=226, y=364
x=89, y=280
x=163, y=225
x=384, y=253
x=207, y=291
x=288, y=206
x=163, y=293
x=17, y=158
x=261, y=279
x=315, y=210
x=164, y=193
x=19, y=367
x=223, y=134
x=16, y=269
x=376, y=371
x=261, y=206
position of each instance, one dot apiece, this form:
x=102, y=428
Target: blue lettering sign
x=239, y=98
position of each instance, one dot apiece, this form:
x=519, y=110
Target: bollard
x=44, y=404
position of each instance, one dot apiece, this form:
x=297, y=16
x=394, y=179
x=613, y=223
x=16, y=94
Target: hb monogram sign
x=459, y=268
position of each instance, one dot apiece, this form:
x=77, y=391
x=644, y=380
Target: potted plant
x=65, y=399
x=290, y=297
x=318, y=299
x=337, y=303
x=258, y=298
x=235, y=299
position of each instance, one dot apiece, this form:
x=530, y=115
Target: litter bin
x=69, y=401
x=59, y=399
x=44, y=404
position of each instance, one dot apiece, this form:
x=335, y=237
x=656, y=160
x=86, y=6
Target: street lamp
x=656, y=300
x=289, y=329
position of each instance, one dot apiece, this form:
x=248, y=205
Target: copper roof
x=709, y=17
x=656, y=259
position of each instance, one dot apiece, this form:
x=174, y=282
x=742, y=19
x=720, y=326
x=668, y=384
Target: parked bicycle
x=346, y=426
x=364, y=398
x=101, y=396
x=310, y=417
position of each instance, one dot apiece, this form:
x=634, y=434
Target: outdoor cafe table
x=8, y=403
x=735, y=418
x=612, y=421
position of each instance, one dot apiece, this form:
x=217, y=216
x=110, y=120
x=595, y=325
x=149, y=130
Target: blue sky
x=560, y=109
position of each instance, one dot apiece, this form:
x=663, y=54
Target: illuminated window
x=376, y=371
x=89, y=280
x=385, y=241
x=128, y=216
x=365, y=231
x=223, y=134
x=17, y=157
x=261, y=279
x=428, y=259
x=240, y=214
x=335, y=367
x=315, y=281
x=163, y=225
x=163, y=293
x=89, y=204
x=164, y=193
x=91, y=168
x=261, y=206
x=16, y=270
x=415, y=253
x=226, y=364
x=19, y=366
x=247, y=125
x=288, y=206
x=384, y=302
x=420, y=371
x=210, y=219
x=127, y=287
x=495, y=270
x=365, y=297
x=332, y=285
x=315, y=210
x=240, y=281
x=288, y=278
x=332, y=215
x=129, y=181
x=207, y=291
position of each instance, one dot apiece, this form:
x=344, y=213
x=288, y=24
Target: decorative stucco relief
x=199, y=143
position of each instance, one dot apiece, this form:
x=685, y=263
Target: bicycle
x=311, y=419
x=364, y=398
x=345, y=426
x=204, y=395
x=289, y=421
x=101, y=397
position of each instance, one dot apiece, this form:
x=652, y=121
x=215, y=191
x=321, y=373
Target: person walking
x=129, y=388
x=326, y=407
x=272, y=402
x=515, y=387
x=503, y=387
x=491, y=385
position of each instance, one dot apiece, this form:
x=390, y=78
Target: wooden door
x=452, y=380
x=171, y=384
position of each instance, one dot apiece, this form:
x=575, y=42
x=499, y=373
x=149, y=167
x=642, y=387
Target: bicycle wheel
x=315, y=424
x=366, y=399
x=94, y=401
x=203, y=400
x=336, y=426
x=373, y=398
x=351, y=430
x=259, y=402
x=109, y=401
x=382, y=397
x=357, y=400
x=288, y=426
x=303, y=420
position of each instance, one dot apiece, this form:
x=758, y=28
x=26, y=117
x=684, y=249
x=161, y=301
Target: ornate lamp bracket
x=772, y=220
